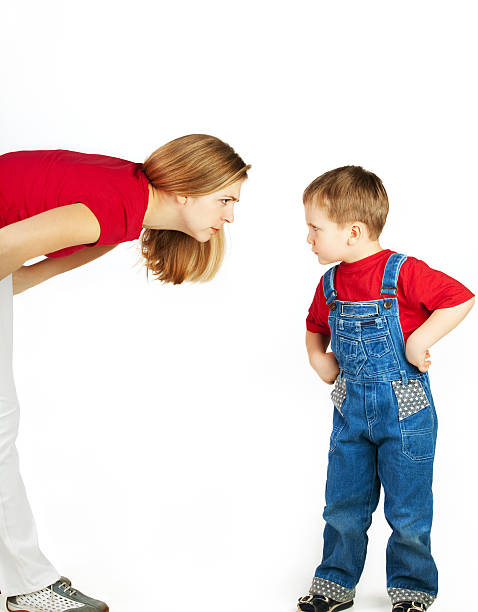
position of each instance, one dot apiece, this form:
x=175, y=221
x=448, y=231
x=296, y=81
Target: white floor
x=367, y=603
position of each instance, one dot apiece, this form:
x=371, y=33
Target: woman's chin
x=200, y=236
x=203, y=236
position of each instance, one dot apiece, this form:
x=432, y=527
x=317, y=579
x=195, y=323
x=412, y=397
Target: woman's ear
x=181, y=200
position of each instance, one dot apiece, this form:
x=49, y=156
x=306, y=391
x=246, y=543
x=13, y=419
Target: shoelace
x=65, y=586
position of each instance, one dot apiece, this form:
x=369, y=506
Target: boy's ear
x=355, y=232
x=358, y=230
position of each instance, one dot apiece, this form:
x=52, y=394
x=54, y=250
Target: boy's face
x=327, y=239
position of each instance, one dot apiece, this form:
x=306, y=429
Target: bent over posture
x=74, y=207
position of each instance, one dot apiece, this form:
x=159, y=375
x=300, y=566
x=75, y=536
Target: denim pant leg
x=352, y=494
x=23, y=566
x=405, y=467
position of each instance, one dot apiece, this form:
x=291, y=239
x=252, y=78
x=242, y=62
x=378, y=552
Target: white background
x=173, y=440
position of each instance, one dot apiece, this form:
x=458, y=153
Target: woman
x=74, y=207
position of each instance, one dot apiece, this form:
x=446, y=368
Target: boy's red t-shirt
x=420, y=291
x=114, y=189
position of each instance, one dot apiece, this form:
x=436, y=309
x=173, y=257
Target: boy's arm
x=316, y=344
x=438, y=324
x=325, y=364
x=34, y=274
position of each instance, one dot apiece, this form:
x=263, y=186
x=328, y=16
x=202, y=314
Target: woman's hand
x=21, y=279
x=34, y=274
x=417, y=354
x=326, y=366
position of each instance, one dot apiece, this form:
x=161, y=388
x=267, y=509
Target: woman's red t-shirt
x=114, y=189
x=420, y=291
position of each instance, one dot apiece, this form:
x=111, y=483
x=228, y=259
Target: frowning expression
x=204, y=216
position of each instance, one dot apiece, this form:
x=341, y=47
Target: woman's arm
x=438, y=324
x=47, y=232
x=28, y=276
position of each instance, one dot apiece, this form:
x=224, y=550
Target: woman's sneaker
x=322, y=603
x=58, y=597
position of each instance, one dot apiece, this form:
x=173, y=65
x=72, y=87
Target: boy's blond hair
x=349, y=194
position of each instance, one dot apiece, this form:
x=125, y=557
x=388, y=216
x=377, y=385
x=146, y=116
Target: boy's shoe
x=58, y=597
x=322, y=603
x=408, y=606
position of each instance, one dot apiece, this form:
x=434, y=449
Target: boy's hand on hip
x=417, y=355
x=326, y=366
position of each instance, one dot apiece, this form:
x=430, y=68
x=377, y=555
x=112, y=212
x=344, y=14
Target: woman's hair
x=349, y=194
x=193, y=165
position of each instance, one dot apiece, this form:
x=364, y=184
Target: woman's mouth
x=214, y=230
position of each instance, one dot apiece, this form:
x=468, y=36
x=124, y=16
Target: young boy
x=381, y=311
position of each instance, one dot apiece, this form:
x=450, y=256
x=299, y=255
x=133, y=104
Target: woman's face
x=204, y=216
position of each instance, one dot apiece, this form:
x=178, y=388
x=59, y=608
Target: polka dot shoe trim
x=338, y=394
x=321, y=586
x=411, y=398
x=397, y=594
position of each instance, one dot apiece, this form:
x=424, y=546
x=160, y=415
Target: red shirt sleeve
x=318, y=317
x=111, y=216
x=115, y=190
x=109, y=208
x=425, y=287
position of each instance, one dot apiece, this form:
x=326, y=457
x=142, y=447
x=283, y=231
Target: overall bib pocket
x=365, y=345
x=381, y=355
x=351, y=355
x=416, y=420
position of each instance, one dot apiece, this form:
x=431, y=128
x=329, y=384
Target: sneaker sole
x=337, y=608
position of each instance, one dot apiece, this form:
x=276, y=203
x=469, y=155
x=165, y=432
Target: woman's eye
x=225, y=201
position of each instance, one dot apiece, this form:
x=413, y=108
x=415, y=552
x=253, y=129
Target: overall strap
x=328, y=284
x=390, y=274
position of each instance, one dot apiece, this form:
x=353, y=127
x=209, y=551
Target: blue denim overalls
x=384, y=432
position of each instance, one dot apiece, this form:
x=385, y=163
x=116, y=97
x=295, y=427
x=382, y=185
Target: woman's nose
x=229, y=215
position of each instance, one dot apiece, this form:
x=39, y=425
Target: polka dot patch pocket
x=411, y=398
x=339, y=393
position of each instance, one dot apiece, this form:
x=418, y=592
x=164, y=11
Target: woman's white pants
x=23, y=567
